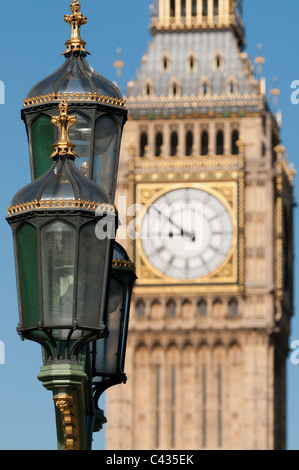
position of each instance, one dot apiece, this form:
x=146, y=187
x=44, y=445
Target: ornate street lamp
x=108, y=355
x=97, y=104
x=74, y=282
x=63, y=288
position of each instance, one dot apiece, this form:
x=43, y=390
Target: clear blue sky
x=32, y=38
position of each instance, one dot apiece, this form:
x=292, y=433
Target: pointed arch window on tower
x=235, y=138
x=174, y=140
x=140, y=309
x=191, y=63
x=189, y=143
x=232, y=86
x=204, y=143
x=171, y=308
x=158, y=144
x=143, y=144
x=215, y=7
x=148, y=88
x=202, y=308
x=194, y=8
x=165, y=63
x=204, y=7
x=219, y=143
x=172, y=8
x=174, y=89
x=233, y=308
x=205, y=87
x=219, y=61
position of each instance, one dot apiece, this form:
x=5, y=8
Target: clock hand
x=188, y=235
x=184, y=233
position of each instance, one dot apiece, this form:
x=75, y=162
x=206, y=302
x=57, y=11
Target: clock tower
x=206, y=194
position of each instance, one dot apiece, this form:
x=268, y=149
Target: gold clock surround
x=227, y=273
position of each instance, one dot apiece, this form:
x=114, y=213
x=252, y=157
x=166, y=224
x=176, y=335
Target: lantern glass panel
x=105, y=165
x=75, y=80
x=75, y=76
x=45, y=86
x=107, y=349
x=58, y=268
x=124, y=330
x=92, y=276
x=80, y=135
x=60, y=185
x=26, y=240
x=29, y=193
x=43, y=137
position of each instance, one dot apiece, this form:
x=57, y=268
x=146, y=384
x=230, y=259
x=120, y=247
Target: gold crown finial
x=63, y=147
x=75, y=20
x=75, y=6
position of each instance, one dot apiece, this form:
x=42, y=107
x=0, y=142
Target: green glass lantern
x=63, y=268
x=108, y=354
x=95, y=101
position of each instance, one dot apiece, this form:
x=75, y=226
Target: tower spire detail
x=119, y=64
x=182, y=15
x=260, y=60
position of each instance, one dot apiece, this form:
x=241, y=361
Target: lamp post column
x=66, y=382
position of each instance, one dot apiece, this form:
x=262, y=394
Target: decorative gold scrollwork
x=62, y=203
x=67, y=407
x=120, y=263
x=54, y=97
x=64, y=146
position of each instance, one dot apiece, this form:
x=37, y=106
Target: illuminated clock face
x=187, y=233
